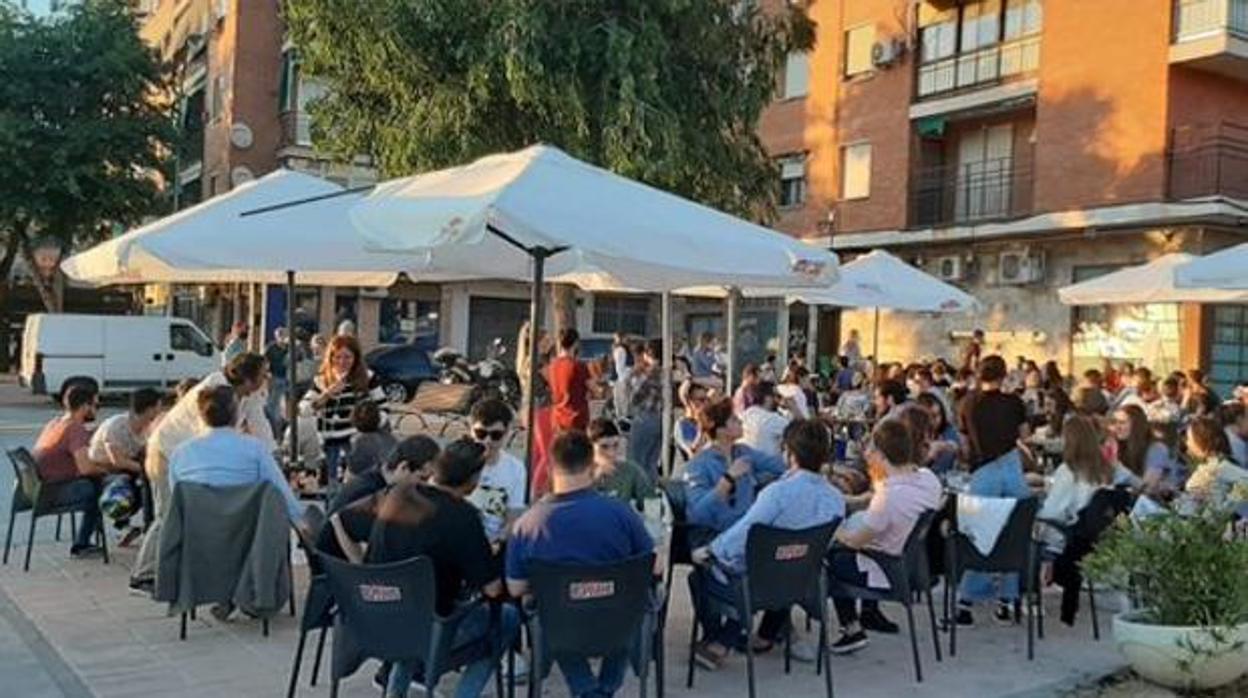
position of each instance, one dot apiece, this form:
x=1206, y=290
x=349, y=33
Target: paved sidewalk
x=76, y=620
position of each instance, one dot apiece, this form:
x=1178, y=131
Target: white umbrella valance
x=1155, y=282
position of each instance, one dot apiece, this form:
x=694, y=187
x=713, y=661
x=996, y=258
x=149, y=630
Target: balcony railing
x=970, y=193
x=980, y=68
x=1194, y=19
x=1209, y=162
x=296, y=129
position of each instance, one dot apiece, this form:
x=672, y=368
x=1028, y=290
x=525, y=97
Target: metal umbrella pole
x=292, y=355
x=731, y=337
x=665, y=368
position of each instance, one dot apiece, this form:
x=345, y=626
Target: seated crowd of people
x=874, y=455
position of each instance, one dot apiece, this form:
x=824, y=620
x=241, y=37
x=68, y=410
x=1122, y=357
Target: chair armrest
x=894, y=567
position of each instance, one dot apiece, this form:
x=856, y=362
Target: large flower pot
x=1164, y=654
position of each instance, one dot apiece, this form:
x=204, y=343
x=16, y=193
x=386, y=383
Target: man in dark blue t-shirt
x=576, y=525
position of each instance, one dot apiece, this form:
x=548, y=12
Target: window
x=985, y=173
x=858, y=43
x=1229, y=352
x=856, y=171
x=216, y=100
x=1147, y=335
x=627, y=314
x=796, y=75
x=792, y=181
x=289, y=78
x=1022, y=18
x=188, y=338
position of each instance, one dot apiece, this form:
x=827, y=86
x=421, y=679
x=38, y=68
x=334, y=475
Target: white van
x=114, y=353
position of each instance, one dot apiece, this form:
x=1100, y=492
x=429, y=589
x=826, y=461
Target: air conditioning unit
x=950, y=268
x=1020, y=267
x=887, y=52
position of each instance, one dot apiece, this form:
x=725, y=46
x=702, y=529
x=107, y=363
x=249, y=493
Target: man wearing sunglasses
x=500, y=492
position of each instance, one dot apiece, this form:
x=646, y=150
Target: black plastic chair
x=1013, y=552
x=388, y=612
x=783, y=568
x=908, y=574
x=318, y=604
x=1081, y=536
x=31, y=494
x=591, y=611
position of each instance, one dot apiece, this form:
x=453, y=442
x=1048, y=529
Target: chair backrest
x=387, y=610
x=680, y=551
x=1013, y=549
x=314, y=517
x=784, y=566
x=26, y=473
x=592, y=610
x=1099, y=513
x=915, y=552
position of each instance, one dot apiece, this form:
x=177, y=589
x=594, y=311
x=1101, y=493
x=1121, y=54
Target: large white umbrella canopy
x=212, y=242
x=1154, y=282
x=1225, y=270
x=880, y=280
x=599, y=230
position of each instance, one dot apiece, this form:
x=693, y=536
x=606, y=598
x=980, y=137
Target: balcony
x=970, y=193
x=972, y=79
x=1211, y=35
x=1209, y=162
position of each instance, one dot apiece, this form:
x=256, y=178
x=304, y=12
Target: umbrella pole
x=537, y=311
x=812, y=338
x=666, y=374
x=292, y=358
x=731, y=340
x=875, y=339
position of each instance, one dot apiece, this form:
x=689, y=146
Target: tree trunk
x=563, y=300
x=6, y=288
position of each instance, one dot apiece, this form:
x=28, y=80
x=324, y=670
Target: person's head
x=992, y=370
x=763, y=394
x=569, y=340
x=144, y=407
x=411, y=456
x=706, y=340
x=888, y=394
x=572, y=454
x=1093, y=378
x=81, y=402
x=317, y=344
x=890, y=446
x=281, y=335
x=919, y=424
x=239, y=330
x=458, y=466
x=347, y=327
x=1081, y=450
x=692, y=396
x=247, y=373
x=1142, y=375
x=925, y=379
x=936, y=411
x=490, y=422
x=654, y=351
x=1090, y=401
x=794, y=373
x=718, y=421
x=749, y=374
x=1195, y=378
x=605, y=436
x=806, y=444
x=1052, y=374
x=184, y=386
x=1235, y=417
x=978, y=335
x=853, y=334
x=1032, y=379
x=218, y=407
x=1207, y=440
x=344, y=361
x=1170, y=389
x=896, y=372
x=1130, y=427
x=366, y=417
x=619, y=339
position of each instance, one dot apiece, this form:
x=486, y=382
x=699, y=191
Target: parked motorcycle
x=491, y=377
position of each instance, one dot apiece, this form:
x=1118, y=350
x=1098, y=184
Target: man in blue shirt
x=722, y=479
x=577, y=525
x=801, y=498
x=703, y=358
x=224, y=457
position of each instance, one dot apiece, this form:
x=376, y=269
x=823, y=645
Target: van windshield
x=188, y=338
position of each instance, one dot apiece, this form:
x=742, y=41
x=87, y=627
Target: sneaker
x=222, y=611
x=142, y=587
x=804, y=651
x=85, y=550
x=849, y=642
x=707, y=656
x=871, y=619
x=1007, y=613
x=964, y=617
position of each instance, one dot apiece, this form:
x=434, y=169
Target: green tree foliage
x=668, y=92
x=83, y=133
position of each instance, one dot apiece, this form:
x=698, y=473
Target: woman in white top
x=342, y=382
x=1216, y=476
x=792, y=390
x=1083, y=471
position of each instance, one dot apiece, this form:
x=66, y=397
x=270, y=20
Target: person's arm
x=270, y=473
x=764, y=463
x=706, y=496
x=729, y=546
x=353, y=550
x=871, y=523
x=119, y=459
x=1060, y=498
x=517, y=569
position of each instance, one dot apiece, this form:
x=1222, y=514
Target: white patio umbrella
x=540, y=211
x=1154, y=282
x=1223, y=270
x=879, y=280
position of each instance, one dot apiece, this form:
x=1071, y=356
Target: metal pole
x=875, y=339
x=666, y=373
x=812, y=337
x=537, y=311
x=782, y=331
x=292, y=359
x=731, y=338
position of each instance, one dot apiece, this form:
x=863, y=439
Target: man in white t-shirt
x=117, y=445
x=762, y=426
x=500, y=491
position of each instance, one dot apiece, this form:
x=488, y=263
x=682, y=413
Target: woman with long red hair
x=341, y=383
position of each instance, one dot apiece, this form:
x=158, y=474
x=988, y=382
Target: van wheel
x=396, y=393
x=72, y=383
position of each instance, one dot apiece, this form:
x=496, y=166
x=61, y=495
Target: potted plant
x=1187, y=578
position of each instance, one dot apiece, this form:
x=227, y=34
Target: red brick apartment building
x=1016, y=146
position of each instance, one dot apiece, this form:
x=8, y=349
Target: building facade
x=1016, y=146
